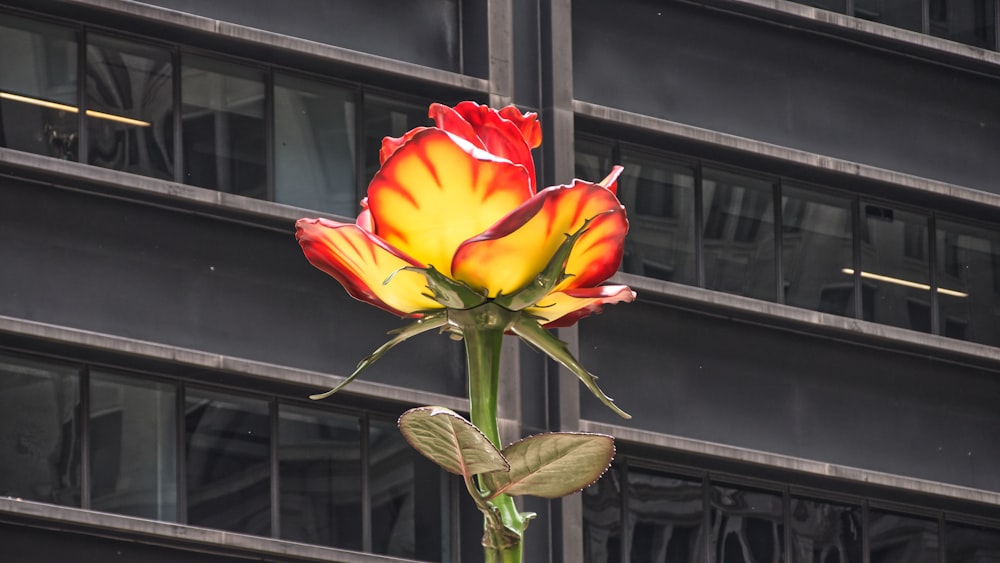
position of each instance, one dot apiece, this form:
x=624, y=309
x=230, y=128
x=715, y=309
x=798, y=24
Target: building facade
x=812, y=361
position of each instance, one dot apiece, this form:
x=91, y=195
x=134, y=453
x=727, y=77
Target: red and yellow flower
x=459, y=200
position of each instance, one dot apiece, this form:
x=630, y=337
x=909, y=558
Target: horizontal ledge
x=218, y=362
x=784, y=315
x=180, y=536
x=874, y=29
x=778, y=152
x=55, y=171
x=259, y=37
x=861, y=476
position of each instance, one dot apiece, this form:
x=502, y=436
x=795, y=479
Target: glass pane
x=665, y=517
x=314, y=146
x=825, y=532
x=738, y=215
x=223, y=126
x=896, y=538
x=968, y=280
x=894, y=267
x=747, y=525
x=971, y=544
x=38, y=93
x=966, y=21
x=399, y=481
x=385, y=117
x=659, y=198
x=816, y=245
x=133, y=446
x=39, y=431
x=897, y=13
x=130, y=107
x=319, y=456
x=228, y=442
x=592, y=159
x=602, y=519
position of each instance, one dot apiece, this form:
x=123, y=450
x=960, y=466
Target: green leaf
x=424, y=324
x=450, y=441
x=552, y=465
x=450, y=293
x=547, y=279
x=533, y=333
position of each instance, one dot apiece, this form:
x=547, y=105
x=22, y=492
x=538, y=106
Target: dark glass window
x=738, y=233
x=385, y=117
x=665, y=518
x=894, y=265
x=315, y=145
x=968, y=281
x=228, y=446
x=592, y=159
x=971, y=544
x=906, y=14
x=39, y=431
x=133, y=446
x=816, y=245
x=747, y=525
x=130, y=107
x=898, y=537
x=825, y=532
x=602, y=519
x=966, y=21
x=38, y=88
x=319, y=456
x=407, y=495
x=659, y=198
x=223, y=126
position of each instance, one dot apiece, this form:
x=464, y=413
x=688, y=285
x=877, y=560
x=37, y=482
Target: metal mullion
x=925, y=17
x=360, y=130
x=85, y=476
x=778, y=218
x=81, y=96
x=178, y=124
x=269, y=129
x=942, y=545
x=706, y=517
x=275, y=493
x=623, y=514
x=865, y=536
x=786, y=522
x=856, y=258
x=366, y=505
x=996, y=26
x=932, y=264
x=182, y=505
x=699, y=226
x=849, y=7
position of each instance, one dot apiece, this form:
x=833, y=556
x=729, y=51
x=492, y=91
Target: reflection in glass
x=747, y=525
x=39, y=431
x=816, y=244
x=968, y=280
x=319, y=456
x=133, y=447
x=602, y=519
x=130, y=97
x=38, y=95
x=971, y=544
x=385, y=117
x=225, y=135
x=966, y=21
x=906, y=14
x=314, y=146
x=228, y=443
x=825, y=532
x=894, y=267
x=659, y=198
x=738, y=234
x=399, y=481
x=664, y=518
x=898, y=538
x=592, y=159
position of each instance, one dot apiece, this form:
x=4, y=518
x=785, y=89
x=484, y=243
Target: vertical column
x=501, y=53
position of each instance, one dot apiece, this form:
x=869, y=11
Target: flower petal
x=438, y=190
x=564, y=308
x=512, y=252
x=528, y=123
x=497, y=134
x=362, y=263
x=392, y=144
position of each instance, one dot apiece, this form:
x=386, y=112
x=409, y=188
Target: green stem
x=483, y=329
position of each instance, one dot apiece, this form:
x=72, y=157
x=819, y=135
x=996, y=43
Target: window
x=966, y=277
x=894, y=264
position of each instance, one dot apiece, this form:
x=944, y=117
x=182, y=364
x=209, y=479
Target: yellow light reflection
x=73, y=109
x=905, y=283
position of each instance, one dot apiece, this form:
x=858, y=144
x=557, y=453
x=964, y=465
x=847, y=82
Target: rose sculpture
x=455, y=234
